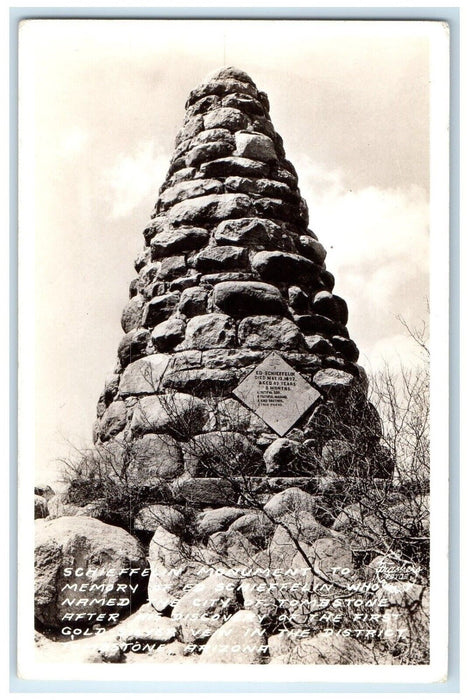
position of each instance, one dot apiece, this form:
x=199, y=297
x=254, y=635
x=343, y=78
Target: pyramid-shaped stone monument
x=236, y=361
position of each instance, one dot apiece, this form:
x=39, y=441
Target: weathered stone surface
x=233, y=165
x=346, y=348
x=277, y=208
x=246, y=298
x=193, y=302
x=256, y=527
x=281, y=457
x=157, y=457
x=183, y=283
x=230, y=72
x=113, y=421
x=210, y=521
x=168, y=334
x=298, y=299
x=158, y=515
x=291, y=501
x=141, y=260
x=311, y=324
x=319, y=345
x=143, y=376
x=159, y=309
x=311, y=249
x=208, y=491
x=188, y=189
x=252, y=232
x=270, y=332
x=58, y=506
x=40, y=507
x=133, y=346
x=172, y=413
x=332, y=306
x=210, y=331
x=247, y=105
x=334, y=383
x=232, y=276
x=201, y=382
x=284, y=268
x=226, y=118
x=304, y=528
x=132, y=313
x=215, y=258
x=241, y=640
x=212, y=135
x=221, y=453
x=208, y=151
x=255, y=146
x=215, y=597
x=60, y=543
x=190, y=129
x=155, y=226
x=180, y=240
x=232, y=415
x=263, y=187
x=211, y=208
x=167, y=553
x=331, y=555
x=172, y=267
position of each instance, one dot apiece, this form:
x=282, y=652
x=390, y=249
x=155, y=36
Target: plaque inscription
x=276, y=393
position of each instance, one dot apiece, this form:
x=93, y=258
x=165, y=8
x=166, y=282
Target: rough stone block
x=270, y=332
x=143, y=376
x=168, y=334
x=246, y=298
x=193, y=302
x=208, y=151
x=183, y=239
x=233, y=165
x=332, y=306
x=255, y=146
x=210, y=331
x=216, y=258
x=159, y=309
x=250, y=232
x=285, y=268
x=133, y=346
x=156, y=457
x=177, y=414
x=211, y=208
x=225, y=118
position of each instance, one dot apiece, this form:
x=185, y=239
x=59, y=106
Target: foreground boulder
x=82, y=559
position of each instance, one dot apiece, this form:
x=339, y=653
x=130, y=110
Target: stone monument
x=236, y=361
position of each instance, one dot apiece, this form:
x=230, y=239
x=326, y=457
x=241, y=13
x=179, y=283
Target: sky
x=100, y=105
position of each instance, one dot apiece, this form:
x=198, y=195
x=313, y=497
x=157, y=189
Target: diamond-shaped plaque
x=277, y=393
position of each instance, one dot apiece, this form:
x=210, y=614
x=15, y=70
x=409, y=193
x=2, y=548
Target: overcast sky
x=104, y=101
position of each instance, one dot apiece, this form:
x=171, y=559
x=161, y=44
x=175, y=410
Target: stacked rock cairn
x=229, y=274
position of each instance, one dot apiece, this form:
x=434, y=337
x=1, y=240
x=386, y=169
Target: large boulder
x=143, y=376
x=177, y=414
x=210, y=331
x=206, y=607
x=79, y=559
x=157, y=457
x=246, y=298
x=270, y=332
